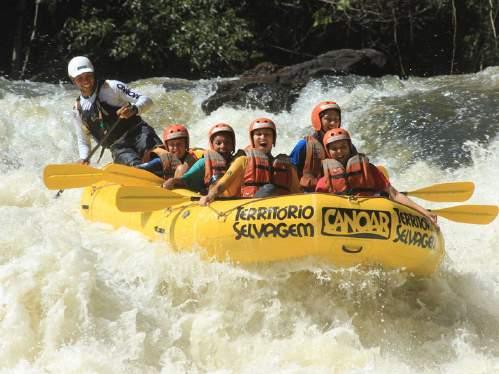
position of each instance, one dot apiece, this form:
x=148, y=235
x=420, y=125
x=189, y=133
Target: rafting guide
x=108, y=111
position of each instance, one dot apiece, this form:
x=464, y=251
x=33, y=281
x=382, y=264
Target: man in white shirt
x=108, y=111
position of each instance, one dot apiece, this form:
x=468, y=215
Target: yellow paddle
x=445, y=192
x=442, y=192
x=62, y=176
x=130, y=176
x=475, y=214
x=147, y=199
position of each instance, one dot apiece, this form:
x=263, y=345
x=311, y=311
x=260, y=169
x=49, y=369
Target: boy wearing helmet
x=108, y=111
x=308, y=153
x=257, y=170
x=348, y=172
x=174, y=157
x=214, y=163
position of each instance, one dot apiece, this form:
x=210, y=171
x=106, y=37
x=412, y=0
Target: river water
x=80, y=297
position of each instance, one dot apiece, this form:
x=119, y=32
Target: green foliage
x=203, y=38
x=198, y=34
x=322, y=18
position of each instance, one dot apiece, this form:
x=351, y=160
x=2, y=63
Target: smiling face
x=340, y=150
x=178, y=147
x=223, y=143
x=330, y=119
x=263, y=139
x=86, y=83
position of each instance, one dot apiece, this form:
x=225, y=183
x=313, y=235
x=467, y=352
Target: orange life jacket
x=259, y=171
x=170, y=161
x=214, y=165
x=312, y=167
x=355, y=179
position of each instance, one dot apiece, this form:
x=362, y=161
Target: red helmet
x=318, y=109
x=221, y=127
x=334, y=135
x=176, y=131
x=262, y=123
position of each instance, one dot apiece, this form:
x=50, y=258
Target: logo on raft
x=414, y=230
x=250, y=222
x=357, y=223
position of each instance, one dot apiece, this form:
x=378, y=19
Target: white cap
x=79, y=65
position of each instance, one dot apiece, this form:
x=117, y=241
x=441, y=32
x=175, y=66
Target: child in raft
x=174, y=157
x=214, y=163
x=308, y=153
x=348, y=172
x=258, y=173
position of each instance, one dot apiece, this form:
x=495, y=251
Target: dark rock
x=274, y=88
x=173, y=84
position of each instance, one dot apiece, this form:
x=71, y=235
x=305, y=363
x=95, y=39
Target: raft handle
x=351, y=249
x=159, y=230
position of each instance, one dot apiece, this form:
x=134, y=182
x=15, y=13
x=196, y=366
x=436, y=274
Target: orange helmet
x=262, y=123
x=334, y=135
x=176, y=131
x=221, y=127
x=318, y=109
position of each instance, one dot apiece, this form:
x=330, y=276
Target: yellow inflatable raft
x=345, y=231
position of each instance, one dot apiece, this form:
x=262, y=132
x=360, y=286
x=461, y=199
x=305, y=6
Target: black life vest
x=100, y=117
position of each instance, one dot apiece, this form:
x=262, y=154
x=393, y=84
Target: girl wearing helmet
x=173, y=158
x=213, y=165
x=308, y=153
x=348, y=172
x=108, y=111
x=257, y=168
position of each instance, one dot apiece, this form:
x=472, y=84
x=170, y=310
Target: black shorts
x=130, y=148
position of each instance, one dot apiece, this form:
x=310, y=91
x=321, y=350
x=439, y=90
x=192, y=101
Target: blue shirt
x=298, y=155
x=194, y=177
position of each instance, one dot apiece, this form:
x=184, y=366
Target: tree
x=187, y=36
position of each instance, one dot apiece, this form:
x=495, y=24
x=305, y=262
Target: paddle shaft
x=104, y=138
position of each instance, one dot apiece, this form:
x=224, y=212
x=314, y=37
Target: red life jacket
x=170, y=161
x=312, y=167
x=259, y=172
x=355, y=179
x=214, y=165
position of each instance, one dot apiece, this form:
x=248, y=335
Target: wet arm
x=193, y=179
x=127, y=95
x=233, y=175
x=82, y=137
x=295, y=182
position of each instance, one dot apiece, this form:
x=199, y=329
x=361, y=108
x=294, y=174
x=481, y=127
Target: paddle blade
x=64, y=176
x=475, y=214
x=445, y=192
x=147, y=199
x=130, y=176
